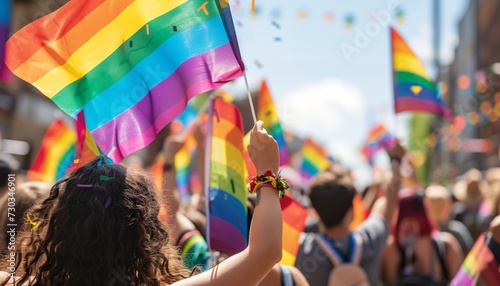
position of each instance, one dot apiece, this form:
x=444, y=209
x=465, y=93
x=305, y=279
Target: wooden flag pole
x=250, y=98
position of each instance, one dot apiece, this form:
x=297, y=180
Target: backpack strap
x=440, y=247
x=356, y=249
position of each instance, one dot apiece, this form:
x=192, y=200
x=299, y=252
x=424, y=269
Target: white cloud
x=329, y=111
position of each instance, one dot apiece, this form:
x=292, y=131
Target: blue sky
x=319, y=92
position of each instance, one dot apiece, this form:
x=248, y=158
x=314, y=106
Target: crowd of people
x=124, y=231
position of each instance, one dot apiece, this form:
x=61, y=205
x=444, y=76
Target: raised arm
x=251, y=265
x=386, y=205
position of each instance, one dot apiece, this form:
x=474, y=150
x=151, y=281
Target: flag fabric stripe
x=227, y=188
x=142, y=61
x=413, y=88
x=479, y=262
x=66, y=162
x=71, y=37
x=413, y=104
x=79, y=63
x=150, y=78
x=58, y=141
x=269, y=115
x=50, y=28
x=294, y=222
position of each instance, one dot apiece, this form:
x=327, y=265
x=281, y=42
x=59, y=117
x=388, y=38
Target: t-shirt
x=194, y=249
x=316, y=266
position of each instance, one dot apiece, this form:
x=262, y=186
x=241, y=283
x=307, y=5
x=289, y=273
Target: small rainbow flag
x=294, y=221
x=378, y=139
x=413, y=88
x=269, y=115
x=227, y=220
x=480, y=262
x=5, y=18
x=142, y=77
x=360, y=210
x=56, y=154
x=314, y=159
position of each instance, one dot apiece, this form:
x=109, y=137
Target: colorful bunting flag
x=480, y=262
x=56, y=153
x=378, y=139
x=314, y=159
x=5, y=19
x=413, y=88
x=269, y=115
x=227, y=220
x=294, y=222
x=142, y=78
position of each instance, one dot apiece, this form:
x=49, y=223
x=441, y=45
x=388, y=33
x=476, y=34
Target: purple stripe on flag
x=220, y=230
x=4, y=35
x=414, y=104
x=139, y=125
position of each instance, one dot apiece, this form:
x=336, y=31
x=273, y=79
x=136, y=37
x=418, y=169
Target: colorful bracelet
x=269, y=179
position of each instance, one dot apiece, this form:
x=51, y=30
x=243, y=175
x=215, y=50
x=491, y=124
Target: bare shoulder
x=298, y=277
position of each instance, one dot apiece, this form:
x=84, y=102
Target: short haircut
x=331, y=194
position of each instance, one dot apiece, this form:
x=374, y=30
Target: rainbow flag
x=250, y=167
x=156, y=172
x=87, y=149
x=227, y=223
x=479, y=263
x=378, y=139
x=131, y=65
x=5, y=18
x=294, y=221
x=360, y=210
x=182, y=163
x=413, y=88
x=269, y=115
x=194, y=108
x=314, y=159
x=56, y=154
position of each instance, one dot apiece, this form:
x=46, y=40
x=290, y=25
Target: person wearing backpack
x=418, y=254
x=335, y=255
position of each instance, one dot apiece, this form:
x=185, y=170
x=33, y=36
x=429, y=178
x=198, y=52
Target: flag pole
x=249, y=94
x=208, y=149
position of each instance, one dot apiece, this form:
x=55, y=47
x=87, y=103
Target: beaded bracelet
x=269, y=179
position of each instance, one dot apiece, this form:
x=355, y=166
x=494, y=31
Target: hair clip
x=104, y=178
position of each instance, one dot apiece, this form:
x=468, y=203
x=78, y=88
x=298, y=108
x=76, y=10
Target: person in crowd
x=469, y=193
x=493, y=184
x=494, y=241
x=282, y=275
x=96, y=232
x=25, y=196
x=331, y=194
x=439, y=204
x=417, y=254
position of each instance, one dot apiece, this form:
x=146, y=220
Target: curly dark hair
x=99, y=226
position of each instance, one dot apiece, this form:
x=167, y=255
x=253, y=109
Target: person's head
x=439, y=203
x=331, y=194
x=99, y=225
x=469, y=189
x=24, y=196
x=412, y=221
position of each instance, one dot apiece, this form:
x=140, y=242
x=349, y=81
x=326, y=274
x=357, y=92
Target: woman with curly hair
x=100, y=226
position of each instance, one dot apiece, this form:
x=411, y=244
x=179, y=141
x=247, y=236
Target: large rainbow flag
x=413, y=88
x=269, y=115
x=479, y=263
x=56, y=153
x=314, y=159
x=294, y=221
x=378, y=139
x=5, y=18
x=227, y=220
x=131, y=65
